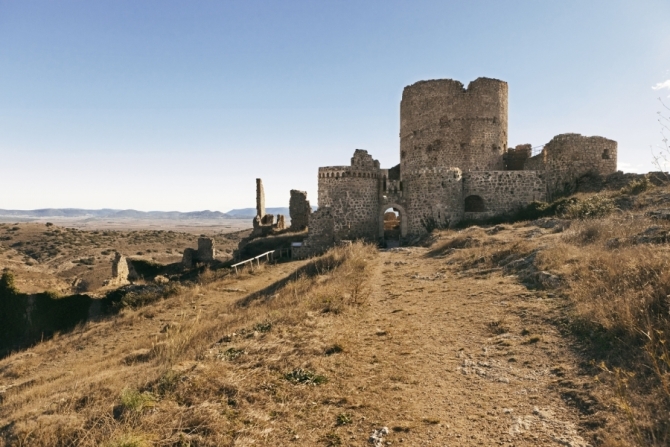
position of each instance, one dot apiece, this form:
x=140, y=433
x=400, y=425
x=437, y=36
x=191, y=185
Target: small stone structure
x=454, y=165
x=205, y=253
x=299, y=210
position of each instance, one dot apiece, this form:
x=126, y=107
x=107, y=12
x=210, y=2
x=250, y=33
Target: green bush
x=590, y=208
x=133, y=400
x=637, y=186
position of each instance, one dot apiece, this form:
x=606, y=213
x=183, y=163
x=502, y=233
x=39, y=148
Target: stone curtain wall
x=444, y=125
x=432, y=193
x=321, y=234
x=570, y=156
x=503, y=191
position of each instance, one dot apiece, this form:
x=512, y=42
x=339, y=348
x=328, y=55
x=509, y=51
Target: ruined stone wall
x=570, y=156
x=535, y=163
x=321, y=234
x=299, y=210
x=503, y=191
x=206, y=251
x=515, y=158
x=444, y=125
x=432, y=193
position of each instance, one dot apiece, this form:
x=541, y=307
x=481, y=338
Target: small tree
x=7, y=286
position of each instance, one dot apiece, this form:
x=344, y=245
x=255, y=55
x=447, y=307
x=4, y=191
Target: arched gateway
x=390, y=228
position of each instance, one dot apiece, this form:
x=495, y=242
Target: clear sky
x=180, y=105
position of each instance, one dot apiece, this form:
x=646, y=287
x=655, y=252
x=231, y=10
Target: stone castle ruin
x=454, y=165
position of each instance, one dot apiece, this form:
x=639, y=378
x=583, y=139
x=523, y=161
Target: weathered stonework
x=515, y=158
x=205, y=253
x=321, y=234
x=206, y=250
x=568, y=157
x=299, y=210
x=454, y=164
x=501, y=191
x=260, y=198
x=120, y=270
x=264, y=224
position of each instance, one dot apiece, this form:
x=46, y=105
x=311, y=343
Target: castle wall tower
x=567, y=157
x=444, y=125
x=352, y=192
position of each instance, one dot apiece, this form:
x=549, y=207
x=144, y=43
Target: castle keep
x=454, y=165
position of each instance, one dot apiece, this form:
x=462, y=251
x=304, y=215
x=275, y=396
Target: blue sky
x=180, y=105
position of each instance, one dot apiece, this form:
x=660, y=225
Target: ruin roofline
x=455, y=84
x=571, y=135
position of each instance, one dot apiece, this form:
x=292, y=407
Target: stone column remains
x=260, y=198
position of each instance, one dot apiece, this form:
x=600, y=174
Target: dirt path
x=462, y=360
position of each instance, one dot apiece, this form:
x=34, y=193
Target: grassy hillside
x=547, y=331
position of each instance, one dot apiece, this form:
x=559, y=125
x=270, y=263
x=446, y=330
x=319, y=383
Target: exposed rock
x=160, y=279
x=653, y=235
x=377, y=437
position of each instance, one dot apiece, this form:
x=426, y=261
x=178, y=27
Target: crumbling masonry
x=454, y=165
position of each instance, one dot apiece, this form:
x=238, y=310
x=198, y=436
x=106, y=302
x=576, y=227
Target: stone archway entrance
x=393, y=225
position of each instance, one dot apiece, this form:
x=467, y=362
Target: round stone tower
x=444, y=125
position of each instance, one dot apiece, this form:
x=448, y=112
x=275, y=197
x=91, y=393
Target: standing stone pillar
x=260, y=198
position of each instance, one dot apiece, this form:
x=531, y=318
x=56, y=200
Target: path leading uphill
x=466, y=359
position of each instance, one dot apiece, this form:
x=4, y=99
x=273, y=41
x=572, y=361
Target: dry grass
x=615, y=273
x=201, y=382
x=619, y=291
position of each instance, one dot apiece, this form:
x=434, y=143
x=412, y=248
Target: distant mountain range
x=250, y=213
x=114, y=214
x=242, y=213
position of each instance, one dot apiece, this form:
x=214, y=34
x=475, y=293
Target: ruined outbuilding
x=454, y=165
x=205, y=253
